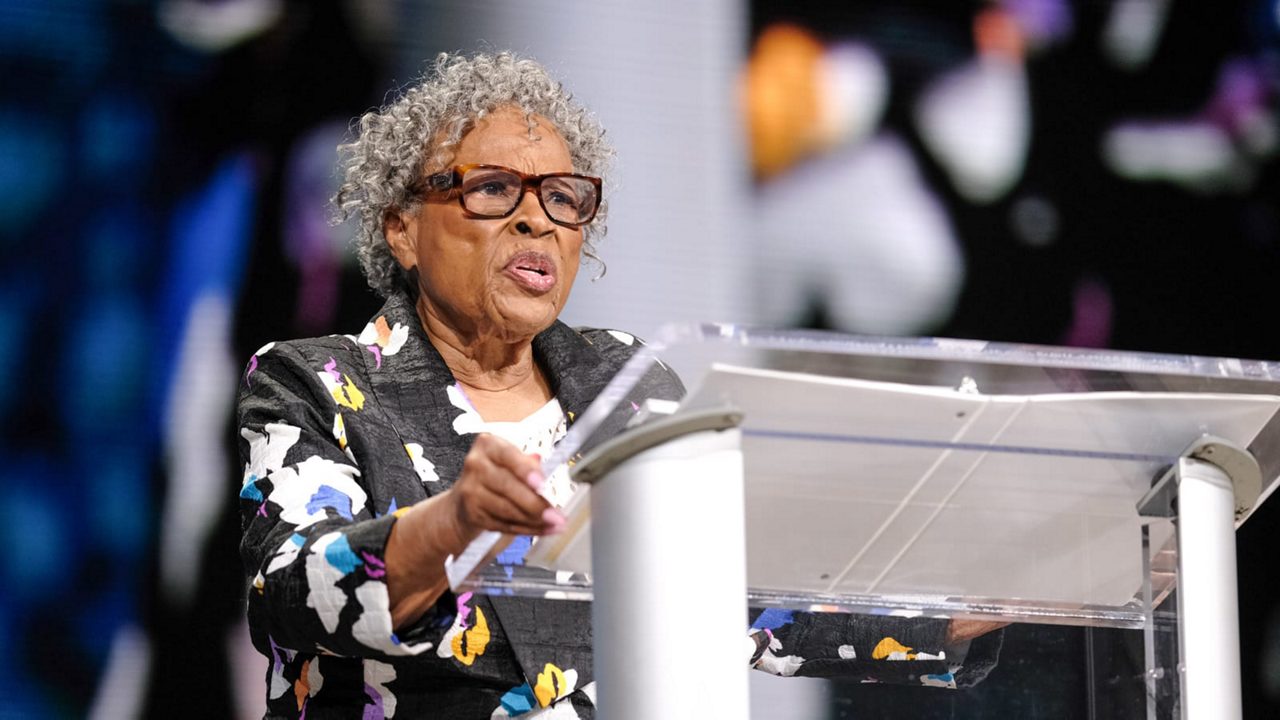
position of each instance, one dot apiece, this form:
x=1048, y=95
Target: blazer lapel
x=413, y=385
x=577, y=370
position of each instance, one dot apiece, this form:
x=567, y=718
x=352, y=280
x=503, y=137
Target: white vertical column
x=1208, y=609
x=668, y=552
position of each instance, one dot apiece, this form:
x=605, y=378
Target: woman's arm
x=497, y=490
x=311, y=543
x=328, y=573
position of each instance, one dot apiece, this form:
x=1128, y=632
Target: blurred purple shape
x=1042, y=20
x=1091, y=315
x=1242, y=91
x=310, y=243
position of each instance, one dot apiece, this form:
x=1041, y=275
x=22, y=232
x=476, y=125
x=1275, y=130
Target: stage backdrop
x=1093, y=174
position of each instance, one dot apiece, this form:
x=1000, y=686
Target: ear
x=401, y=231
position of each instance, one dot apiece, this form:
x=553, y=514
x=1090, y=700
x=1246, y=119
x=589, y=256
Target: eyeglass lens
x=494, y=192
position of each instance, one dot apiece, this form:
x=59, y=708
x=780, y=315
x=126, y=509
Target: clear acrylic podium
x=916, y=477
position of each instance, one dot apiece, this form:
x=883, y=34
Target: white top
x=538, y=433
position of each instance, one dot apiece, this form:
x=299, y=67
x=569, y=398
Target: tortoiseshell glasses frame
x=494, y=191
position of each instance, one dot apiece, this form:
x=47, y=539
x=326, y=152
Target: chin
x=527, y=318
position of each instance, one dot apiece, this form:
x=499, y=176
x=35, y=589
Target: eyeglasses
x=493, y=191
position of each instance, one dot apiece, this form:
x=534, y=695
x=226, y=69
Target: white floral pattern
x=425, y=468
x=267, y=449
x=377, y=675
x=305, y=491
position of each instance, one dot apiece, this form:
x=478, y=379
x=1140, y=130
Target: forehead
x=505, y=137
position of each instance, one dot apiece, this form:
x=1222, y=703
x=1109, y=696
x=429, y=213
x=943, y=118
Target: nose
x=529, y=217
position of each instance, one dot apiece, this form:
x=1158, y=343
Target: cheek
x=459, y=245
x=572, y=259
x=573, y=248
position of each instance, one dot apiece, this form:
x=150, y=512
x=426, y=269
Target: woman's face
x=505, y=277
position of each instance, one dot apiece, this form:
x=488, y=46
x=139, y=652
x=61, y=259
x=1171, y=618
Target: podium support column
x=669, y=563
x=1208, y=614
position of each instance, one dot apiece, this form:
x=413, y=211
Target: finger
x=500, y=481
x=554, y=519
x=541, y=526
x=505, y=455
x=515, y=529
x=514, y=503
x=490, y=511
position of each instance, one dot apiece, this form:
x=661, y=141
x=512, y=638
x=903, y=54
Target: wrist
x=453, y=532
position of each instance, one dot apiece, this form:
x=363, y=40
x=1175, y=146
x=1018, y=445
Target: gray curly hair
x=380, y=167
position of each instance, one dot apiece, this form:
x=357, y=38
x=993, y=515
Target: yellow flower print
x=339, y=385
x=554, y=683
x=470, y=644
x=463, y=643
x=890, y=649
x=348, y=395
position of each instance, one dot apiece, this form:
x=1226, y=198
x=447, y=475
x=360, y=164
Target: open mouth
x=533, y=270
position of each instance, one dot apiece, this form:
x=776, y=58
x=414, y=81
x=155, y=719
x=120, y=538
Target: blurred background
x=1100, y=173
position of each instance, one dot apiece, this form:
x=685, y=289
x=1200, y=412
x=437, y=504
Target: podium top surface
x=927, y=467
x=960, y=353
x=963, y=367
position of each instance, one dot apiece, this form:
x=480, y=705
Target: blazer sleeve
x=867, y=648
x=311, y=544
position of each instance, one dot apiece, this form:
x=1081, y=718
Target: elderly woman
x=370, y=458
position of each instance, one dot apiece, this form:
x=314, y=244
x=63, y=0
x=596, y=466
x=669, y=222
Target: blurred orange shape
x=997, y=33
x=781, y=97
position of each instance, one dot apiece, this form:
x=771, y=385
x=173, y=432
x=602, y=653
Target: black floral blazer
x=340, y=434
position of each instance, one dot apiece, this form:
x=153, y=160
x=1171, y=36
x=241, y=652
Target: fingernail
x=554, y=517
x=534, y=479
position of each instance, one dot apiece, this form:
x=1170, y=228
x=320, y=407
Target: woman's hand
x=496, y=490
x=965, y=630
